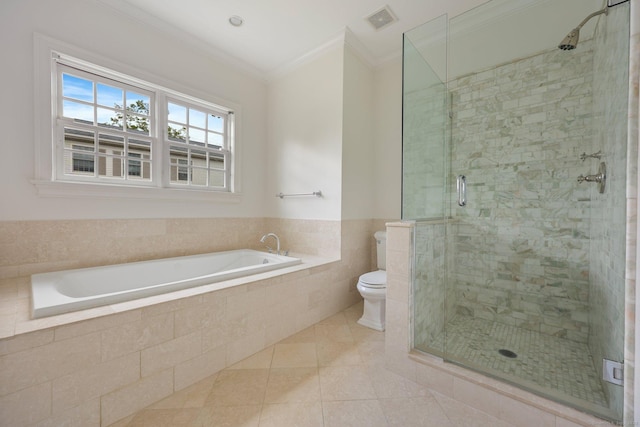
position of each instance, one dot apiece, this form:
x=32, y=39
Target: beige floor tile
x=300, y=355
x=193, y=396
x=462, y=415
x=389, y=385
x=415, y=412
x=345, y=383
x=260, y=360
x=336, y=319
x=372, y=353
x=333, y=333
x=353, y=413
x=237, y=387
x=305, y=336
x=361, y=333
x=165, y=418
x=291, y=385
x=338, y=354
x=229, y=416
x=307, y=414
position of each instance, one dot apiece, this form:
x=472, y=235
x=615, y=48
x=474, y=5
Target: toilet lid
x=374, y=279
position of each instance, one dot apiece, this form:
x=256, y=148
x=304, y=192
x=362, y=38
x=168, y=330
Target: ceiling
x=276, y=33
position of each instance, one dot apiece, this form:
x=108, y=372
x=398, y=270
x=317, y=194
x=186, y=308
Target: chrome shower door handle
x=461, y=187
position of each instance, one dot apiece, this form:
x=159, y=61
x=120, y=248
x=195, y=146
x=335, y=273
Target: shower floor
x=544, y=363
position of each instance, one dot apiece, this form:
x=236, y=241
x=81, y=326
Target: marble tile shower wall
x=521, y=244
x=608, y=222
x=429, y=285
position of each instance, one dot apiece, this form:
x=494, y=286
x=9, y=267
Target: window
x=115, y=129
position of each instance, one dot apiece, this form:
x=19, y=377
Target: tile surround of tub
x=102, y=369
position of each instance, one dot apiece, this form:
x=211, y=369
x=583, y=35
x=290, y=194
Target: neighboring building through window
x=115, y=129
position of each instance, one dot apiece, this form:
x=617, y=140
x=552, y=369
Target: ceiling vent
x=381, y=18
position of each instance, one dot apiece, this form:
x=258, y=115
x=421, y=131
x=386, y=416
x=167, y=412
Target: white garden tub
x=71, y=290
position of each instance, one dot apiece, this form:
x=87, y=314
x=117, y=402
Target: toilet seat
x=374, y=279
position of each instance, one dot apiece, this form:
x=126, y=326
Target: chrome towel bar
x=315, y=193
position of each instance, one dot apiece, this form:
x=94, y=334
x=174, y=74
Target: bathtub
x=71, y=290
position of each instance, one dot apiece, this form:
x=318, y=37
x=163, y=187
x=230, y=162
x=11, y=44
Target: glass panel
x=423, y=183
x=80, y=112
x=196, y=136
x=109, y=118
x=197, y=118
x=425, y=121
x=216, y=123
x=179, y=164
x=176, y=132
x=215, y=140
x=216, y=178
x=177, y=113
x=138, y=103
x=137, y=123
x=77, y=88
x=110, y=166
x=109, y=96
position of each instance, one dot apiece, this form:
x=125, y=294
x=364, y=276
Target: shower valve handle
x=599, y=178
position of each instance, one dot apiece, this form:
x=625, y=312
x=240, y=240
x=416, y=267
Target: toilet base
x=373, y=315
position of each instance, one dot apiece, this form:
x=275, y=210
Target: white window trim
x=45, y=96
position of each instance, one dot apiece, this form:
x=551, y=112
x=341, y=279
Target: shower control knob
x=599, y=178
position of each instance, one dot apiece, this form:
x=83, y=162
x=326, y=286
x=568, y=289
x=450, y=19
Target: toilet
x=373, y=288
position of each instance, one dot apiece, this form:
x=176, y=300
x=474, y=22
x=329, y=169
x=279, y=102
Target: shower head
x=571, y=41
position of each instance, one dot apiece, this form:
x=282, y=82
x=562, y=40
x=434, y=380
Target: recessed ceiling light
x=236, y=20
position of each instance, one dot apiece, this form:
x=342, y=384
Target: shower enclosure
x=515, y=164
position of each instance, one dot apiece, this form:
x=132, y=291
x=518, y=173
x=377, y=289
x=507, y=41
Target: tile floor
x=330, y=374
x=543, y=362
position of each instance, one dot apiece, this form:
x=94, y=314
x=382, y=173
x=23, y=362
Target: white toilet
x=373, y=288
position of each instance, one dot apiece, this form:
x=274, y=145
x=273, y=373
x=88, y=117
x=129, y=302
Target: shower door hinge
x=612, y=371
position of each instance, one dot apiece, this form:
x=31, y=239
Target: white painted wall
x=358, y=144
x=94, y=27
x=387, y=101
x=305, y=113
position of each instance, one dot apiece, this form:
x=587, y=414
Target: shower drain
x=507, y=353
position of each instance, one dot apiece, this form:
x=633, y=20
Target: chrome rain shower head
x=571, y=40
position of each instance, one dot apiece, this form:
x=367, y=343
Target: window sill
x=83, y=190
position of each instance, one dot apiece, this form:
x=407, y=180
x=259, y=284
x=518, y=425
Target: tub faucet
x=277, y=242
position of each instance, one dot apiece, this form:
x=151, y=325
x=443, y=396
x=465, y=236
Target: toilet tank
x=381, y=249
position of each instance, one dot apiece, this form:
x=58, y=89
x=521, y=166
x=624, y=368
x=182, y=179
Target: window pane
x=77, y=111
x=109, y=96
x=197, y=118
x=107, y=117
x=134, y=168
x=215, y=140
x=74, y=138
x=216, y=123
x=136, y=123
x=176, y=132
x=177, y=113
x=137, y=103
x=196, y=136
x=112, y=167
x=111, y=144
x=216, y=178
x=77, y=88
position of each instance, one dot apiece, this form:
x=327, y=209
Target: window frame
x=47, y=179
